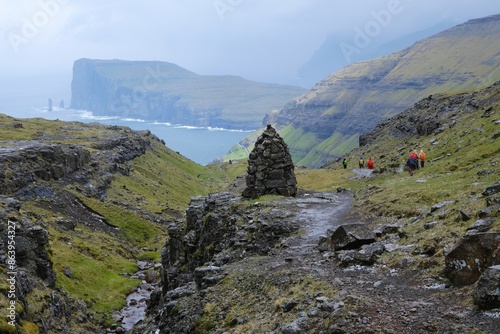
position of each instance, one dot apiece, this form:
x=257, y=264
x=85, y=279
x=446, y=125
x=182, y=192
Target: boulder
x=486, y=293
x=367, y=256
x=493, y=189
x=351, y=236
x=471, y=257
x=481, y=225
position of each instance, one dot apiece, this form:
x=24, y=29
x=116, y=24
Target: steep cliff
x=168, y=93
x=324, y=122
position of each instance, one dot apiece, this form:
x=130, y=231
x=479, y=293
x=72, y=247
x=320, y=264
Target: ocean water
x=201, y=145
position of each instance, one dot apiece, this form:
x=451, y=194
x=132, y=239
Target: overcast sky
x=263, y=40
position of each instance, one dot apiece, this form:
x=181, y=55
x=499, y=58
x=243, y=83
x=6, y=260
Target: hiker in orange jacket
x=370, y=164
x=422, y=157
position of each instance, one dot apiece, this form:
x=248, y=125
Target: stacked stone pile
x=270, y=167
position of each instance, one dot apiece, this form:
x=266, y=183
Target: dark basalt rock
x=486, y=293
x=472, y=256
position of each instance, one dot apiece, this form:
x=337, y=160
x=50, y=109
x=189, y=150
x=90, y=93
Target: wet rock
x=471, y=256
x=150, y=276
x=368, y=255
x=288, y=305
x=486, y=293
x=37, y=160
x=492, y=189
x=384, y=230
x=490, y=211
x=207, y=276
x=440, y=205
x=299, y=326
x=68, y=225
x=492, y=200
x=68, y=273
x=481, y=225
x=215, y=232
x=143, y=265
x=350, y=236
x=270, y=167
x=464, y=216
x=430, y=225
x=180, y=292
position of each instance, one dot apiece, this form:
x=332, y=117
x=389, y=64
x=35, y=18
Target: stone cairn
x=270, y=167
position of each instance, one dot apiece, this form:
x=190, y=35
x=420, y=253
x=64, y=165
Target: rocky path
x=342, y=297
x=374, y=299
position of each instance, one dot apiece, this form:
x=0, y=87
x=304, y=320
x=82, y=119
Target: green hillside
x=353, y=100
x=136, y=206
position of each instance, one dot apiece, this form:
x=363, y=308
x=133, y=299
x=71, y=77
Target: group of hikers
x=370, y=163
x=412, y=163
x=413, y=159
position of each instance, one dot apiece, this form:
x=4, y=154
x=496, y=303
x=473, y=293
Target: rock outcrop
x=33, y=270
x=270, y=167
x=24, y=162
x=28, y=161
x=431, y=115
x=216, y=232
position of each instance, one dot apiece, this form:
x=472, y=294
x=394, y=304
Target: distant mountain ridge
x=166, y=92
x=327, y=121
x=329, y=57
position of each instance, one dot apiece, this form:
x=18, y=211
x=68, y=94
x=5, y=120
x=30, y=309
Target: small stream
x=135, y=310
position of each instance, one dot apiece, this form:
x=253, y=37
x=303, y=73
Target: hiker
x=422, y=157
x=412, y=163
x=361, y=162
x=371, y=164
x=345, y=163
x=415, y=156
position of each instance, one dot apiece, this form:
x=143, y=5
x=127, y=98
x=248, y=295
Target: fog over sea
x=201, y=145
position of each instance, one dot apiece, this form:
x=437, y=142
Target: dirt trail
x=384, y=300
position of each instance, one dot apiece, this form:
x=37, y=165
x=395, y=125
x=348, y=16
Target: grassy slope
x=468, y=160
x=161, y=182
